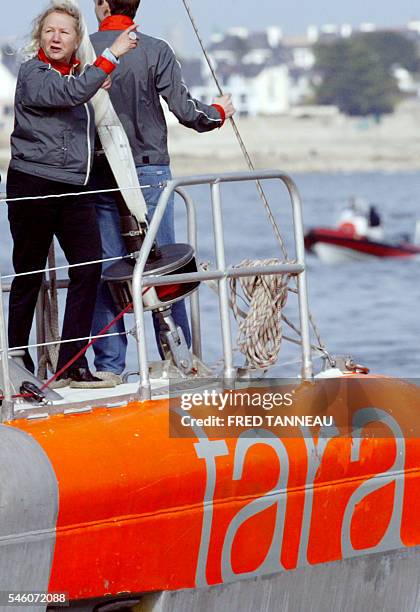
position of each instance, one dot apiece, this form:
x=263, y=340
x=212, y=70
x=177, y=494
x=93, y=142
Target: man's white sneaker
x=110, y=377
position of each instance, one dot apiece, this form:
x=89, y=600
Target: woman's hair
x=56, y=6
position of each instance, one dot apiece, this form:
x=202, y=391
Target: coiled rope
x=260, y=325
x=260, y=332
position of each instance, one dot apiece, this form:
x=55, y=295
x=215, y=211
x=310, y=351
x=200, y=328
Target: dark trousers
x=33, y=224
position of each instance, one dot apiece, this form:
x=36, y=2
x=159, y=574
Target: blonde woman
x=52, y=146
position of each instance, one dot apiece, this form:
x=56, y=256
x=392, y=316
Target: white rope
x=214, y=286
x=67, y=266
x=260, y=333
x=5, y=199
x=83, y=339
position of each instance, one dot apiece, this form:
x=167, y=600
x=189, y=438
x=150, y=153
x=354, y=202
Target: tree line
x=356, y=74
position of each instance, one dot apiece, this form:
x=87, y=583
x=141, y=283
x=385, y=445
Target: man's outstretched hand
x=226, y=103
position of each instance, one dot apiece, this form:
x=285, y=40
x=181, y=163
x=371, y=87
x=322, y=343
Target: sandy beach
x=305, y=144
x=297, y=144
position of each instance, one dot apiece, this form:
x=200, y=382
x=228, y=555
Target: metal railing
x=221, y=274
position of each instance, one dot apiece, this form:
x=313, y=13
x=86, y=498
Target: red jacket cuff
x=221, y=111
x=104, y=64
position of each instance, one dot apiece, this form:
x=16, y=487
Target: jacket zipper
x=88, y=144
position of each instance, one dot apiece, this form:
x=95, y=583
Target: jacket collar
x=116, y=22
x=63, y=67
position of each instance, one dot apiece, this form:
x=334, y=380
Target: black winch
x=173, y=259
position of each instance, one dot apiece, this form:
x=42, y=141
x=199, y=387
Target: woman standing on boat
x=51, y=155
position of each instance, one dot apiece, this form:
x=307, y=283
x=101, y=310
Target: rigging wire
x=237, y=133
x=246, y=156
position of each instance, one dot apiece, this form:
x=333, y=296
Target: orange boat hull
x=142, y=510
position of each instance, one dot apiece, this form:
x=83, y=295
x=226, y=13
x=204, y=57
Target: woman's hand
x=126, y=41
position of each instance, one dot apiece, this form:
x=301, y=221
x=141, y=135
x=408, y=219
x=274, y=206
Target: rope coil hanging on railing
x=241, y=315
x=260, y=332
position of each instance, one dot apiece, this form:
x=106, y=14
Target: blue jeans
x=110, y=353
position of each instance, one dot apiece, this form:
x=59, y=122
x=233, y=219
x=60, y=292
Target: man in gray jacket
x=140, y=79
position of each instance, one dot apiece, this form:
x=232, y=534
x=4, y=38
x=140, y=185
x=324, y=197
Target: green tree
x=354, y=77
x=393, y=49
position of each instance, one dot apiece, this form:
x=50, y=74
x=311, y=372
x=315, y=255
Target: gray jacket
x=143, y=75
x=54, y=128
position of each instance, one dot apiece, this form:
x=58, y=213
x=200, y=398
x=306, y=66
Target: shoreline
x=185, y=166
x=311, y=144
x=332, y=144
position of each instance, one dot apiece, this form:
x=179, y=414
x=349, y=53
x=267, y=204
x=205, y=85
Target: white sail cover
x=113, y=138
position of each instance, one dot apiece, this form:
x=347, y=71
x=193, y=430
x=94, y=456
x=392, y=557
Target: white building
x=240, y=46
x=257, y=89
x=252, y=67
x=268, y=73
x=260, y=90
x=406, y=81
x=300, y=51
x=300, y=86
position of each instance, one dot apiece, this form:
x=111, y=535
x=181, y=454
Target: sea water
x=369, y=310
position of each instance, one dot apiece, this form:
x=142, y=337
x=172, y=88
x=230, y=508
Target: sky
x=158, y=17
